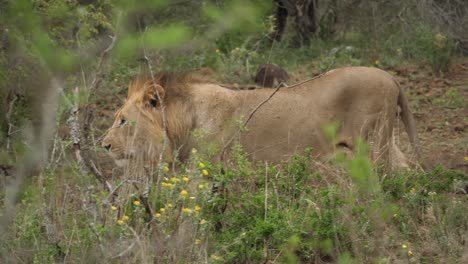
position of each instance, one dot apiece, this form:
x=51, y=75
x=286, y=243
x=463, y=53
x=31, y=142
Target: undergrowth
x=295, y=212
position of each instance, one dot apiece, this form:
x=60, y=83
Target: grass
x=295, y=212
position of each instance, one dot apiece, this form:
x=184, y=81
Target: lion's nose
x=107, y=147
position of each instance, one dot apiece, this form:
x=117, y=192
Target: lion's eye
x=122, y=122
x=153, y=102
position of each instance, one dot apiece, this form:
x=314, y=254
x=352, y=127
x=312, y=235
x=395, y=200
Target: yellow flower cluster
x=137, y=203
x=167, y=184
x=197, y=241
x=408, y=250
x=166, y=168
x=205, y=172
x=122, y=221
x=114, y=208
x=174, y=180
x=187, y=210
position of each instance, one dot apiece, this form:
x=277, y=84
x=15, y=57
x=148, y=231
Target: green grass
x=291, y=213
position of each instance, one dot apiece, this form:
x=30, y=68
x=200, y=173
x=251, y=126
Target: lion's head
x=137, y=133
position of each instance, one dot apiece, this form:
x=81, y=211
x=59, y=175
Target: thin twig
x=246, y=122
x=11, y=105
x=164, y=125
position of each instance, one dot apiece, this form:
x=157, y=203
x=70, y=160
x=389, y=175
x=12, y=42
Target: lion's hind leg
x=398, y=159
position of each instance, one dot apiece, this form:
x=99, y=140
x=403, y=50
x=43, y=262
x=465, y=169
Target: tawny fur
x=362, y=101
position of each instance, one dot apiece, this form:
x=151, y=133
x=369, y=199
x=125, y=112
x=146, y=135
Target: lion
x=161, y=113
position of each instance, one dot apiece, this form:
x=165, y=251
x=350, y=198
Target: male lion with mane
x=362, y=101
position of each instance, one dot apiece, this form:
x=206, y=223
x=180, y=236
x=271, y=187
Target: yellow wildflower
x=186, y=179
x=197, y=241
x=237, y=48
x=157, y=215
x=113, y=208
x=201, y=165
x=194, y=150
x=187, y=210
x=377, y=62
x=169, y=205
x=201, y=186
x=167, y=184
x=205, y=172
x=404, y=246
x=174, y=179
x=184, y=194
x=465, y=158
x=197, y=208
x=235, y=84
x=410, y=252
x=217, y=50
x=162, y=210
x=202, y=222
x=215, y=257
x=166, y=168
x=120, y=222
x=126, y=217
x=395, y=215
x=413, y=190
x=137, y=203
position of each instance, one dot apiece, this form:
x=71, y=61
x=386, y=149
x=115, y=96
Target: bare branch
x=226, y=145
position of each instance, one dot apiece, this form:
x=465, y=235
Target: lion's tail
x=410, y=125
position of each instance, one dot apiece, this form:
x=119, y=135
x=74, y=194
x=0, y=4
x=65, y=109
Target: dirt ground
x=442, y=118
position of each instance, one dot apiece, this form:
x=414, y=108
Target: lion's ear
x=153, y=94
